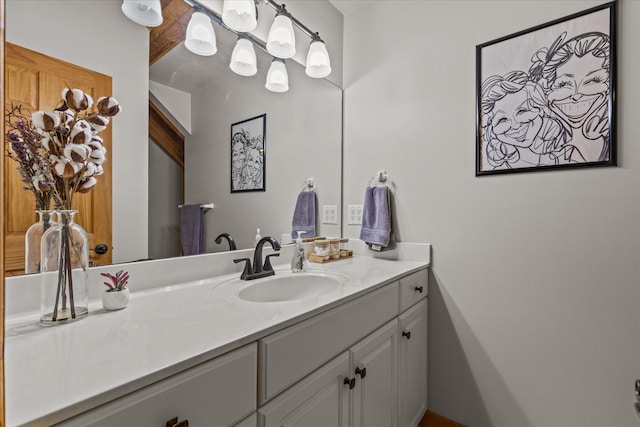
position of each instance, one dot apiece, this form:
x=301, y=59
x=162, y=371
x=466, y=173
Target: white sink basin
x=288, y=286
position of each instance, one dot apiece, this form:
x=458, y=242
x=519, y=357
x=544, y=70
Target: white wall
x=177, y=102
x=165, y=194
x=303, y=139
x=534, y=287
x=96, y=35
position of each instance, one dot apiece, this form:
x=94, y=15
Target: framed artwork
x=248, y=154
x=545, y=96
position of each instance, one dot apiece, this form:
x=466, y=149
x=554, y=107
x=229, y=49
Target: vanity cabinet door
x=319, y=400
x=413, y=364
x=374, y=364
x=217, y=393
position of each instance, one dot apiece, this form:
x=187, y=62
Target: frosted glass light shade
x=281, y=41
x=318, y=62
x=143, y=12
x=200, y=39
x=277, y=77
x=243, y=58
x=239, y=15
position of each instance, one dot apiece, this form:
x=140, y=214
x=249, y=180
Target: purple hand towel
x=376, y=217
x=192, y=230
x=304, y=215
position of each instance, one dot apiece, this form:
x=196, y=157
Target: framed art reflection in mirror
x=248, y=154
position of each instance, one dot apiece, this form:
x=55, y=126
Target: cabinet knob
x=362, y=372
x=174, y=423
x=351, y=382
x=406, y=334
x=418, y=289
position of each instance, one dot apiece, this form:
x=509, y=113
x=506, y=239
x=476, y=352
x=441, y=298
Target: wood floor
x=431, y=419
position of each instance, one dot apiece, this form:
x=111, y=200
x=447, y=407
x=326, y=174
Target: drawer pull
x=418, y=289
x=406, y=334
x=362, y=372
x=351, y=382
x=174, y=423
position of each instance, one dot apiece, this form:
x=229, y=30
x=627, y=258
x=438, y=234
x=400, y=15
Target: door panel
x=36, y=81
x=376, y=392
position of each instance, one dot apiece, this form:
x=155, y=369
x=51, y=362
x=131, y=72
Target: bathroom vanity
x=207, y=353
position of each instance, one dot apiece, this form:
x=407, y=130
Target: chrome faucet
x=229, y=239
x=259, y=270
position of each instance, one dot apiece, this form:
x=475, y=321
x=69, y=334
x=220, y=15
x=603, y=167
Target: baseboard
x=431, y=419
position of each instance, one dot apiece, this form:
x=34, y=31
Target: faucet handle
x=267, y=262
x=247, y=267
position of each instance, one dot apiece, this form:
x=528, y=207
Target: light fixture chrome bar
x=217, y=18
x=297, y=23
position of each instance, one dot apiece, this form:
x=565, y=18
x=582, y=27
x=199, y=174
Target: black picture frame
x=248, y=154
x=545, y=96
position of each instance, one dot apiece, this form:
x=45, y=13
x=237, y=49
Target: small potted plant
x=117, y=296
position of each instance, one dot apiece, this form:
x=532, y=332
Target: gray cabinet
x=319, y=400
x=219, y=392
x=374, y=365
x=413, y=364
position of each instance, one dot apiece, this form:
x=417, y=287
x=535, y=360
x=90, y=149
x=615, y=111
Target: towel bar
x=205, y=206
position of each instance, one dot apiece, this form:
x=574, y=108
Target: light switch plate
x=329, y=214
x=355, y=215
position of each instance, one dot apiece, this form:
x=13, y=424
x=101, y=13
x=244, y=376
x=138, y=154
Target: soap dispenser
x=258, y=238
x=298, y=261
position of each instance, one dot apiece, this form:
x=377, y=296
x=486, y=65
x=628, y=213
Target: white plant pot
x=116, y=300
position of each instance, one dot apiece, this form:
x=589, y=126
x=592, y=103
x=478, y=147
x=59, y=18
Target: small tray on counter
x=330, y=257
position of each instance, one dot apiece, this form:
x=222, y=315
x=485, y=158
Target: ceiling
x=348, y=6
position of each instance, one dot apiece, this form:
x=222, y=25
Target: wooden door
x=36, y=81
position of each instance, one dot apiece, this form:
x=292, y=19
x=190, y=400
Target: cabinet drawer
x=413, y=288
x=216, y=393
x=289, y=355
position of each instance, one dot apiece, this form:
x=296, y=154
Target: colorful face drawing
x=580, y=88
x=516, y=121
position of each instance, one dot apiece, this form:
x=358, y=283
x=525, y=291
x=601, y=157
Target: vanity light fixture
x=201, y=38
x=240, y=15
x=281, y=41
x=277, y=77
x=318, y=62
x=143, y=12
x=243, y=58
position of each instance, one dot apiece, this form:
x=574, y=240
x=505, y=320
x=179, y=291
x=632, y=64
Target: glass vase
x=32, y=239
x=64, y=267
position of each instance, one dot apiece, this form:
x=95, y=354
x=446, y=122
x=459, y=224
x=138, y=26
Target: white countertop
x=57, y=372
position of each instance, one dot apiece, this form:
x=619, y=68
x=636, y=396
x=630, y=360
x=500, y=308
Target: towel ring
x=382, y=179
x=309, y=184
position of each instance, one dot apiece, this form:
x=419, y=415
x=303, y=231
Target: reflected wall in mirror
x=303, y=137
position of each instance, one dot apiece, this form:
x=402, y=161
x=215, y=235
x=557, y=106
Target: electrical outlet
x=355, y=214
x=329, y=214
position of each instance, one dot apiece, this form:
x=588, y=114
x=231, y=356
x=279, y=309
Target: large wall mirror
x=303, y=129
